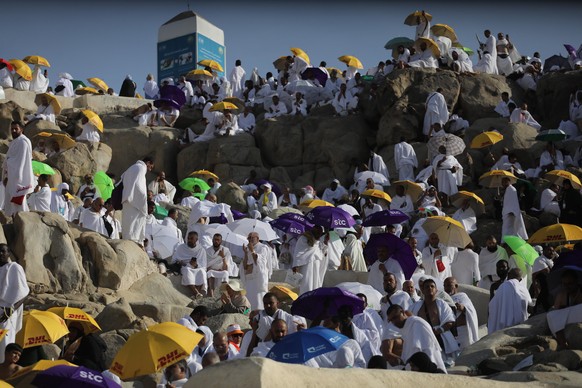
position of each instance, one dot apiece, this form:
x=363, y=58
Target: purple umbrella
x=221, y=219
x=570, y=49
x=160, y=102
x=330, y=217
x=289, y=226
x=237, y=215
x=274, y=188
x=325, y=302
x=172, y=92
x=319, y=75
x=65, y=376
x=397, y=248
x=385, y=217
x=297, y=218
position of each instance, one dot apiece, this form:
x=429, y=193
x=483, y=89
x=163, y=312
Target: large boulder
x=157, y=289
x=74, y=163
x=480, y=93
x=553, y=94
x=281, y=141
x=115, y=316
x=232, y=194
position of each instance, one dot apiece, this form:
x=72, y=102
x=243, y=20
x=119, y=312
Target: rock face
x=553, y=93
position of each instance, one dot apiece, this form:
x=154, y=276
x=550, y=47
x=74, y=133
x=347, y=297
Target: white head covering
x=344, y=358
x=208, y=337
x=539, y=265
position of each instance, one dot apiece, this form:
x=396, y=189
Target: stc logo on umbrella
x=170, y=358
x=90, y=376
x=41, y=339
x=294, y=230
x=340, y=223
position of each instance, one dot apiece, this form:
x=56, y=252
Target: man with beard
x=192, y=257
x=391, y=337
x=502, y=269
x=466, y=324
x=488, y=258
x=437, y=258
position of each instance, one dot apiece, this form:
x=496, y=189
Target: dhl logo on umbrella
x=170, y=358
x=554, y=237
x=37, y=340
x=78, y=317
x=116, y=368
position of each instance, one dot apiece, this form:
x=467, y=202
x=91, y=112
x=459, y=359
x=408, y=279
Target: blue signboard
x=176, y=56
x=209, y=49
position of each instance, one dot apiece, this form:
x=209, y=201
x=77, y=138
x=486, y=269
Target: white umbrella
x=228, y=236
x=247, y=225
x=164, y=240
x=65, y=75
x=350, y=209
x=376, y=177
x=358, y=288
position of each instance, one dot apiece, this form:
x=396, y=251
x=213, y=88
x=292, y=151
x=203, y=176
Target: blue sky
x=109, y=39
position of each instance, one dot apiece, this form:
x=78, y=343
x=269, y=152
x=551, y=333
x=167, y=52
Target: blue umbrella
x=65, y=376
x=395, y=42
x=330, y=217
x=397, y=248
x=297, y=218
x=325, y=302
x=303, y=345
x=385, y=217
x=289, y=226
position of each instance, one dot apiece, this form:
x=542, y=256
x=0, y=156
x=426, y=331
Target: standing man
x=134, y=200
x=488, y=258
x=437, y=258
x=254, y=271
x=237, y=79
x=405, y=160
x=467, y=324
x=17, y=175
x=13, y=290
x=436, y=111
x=308, y=258
x=512, y=219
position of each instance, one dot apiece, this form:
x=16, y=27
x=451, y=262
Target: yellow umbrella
x=64, y=140
x=284, y=293
x=474, y=200
x=301, y=54
x=99, y=83
x=93, y=119
x=21, y=68
x=199, y=74
x=556, y=233
x=332, y=69
x=38, y=100
x=39, y=328
x=313, y=203
x=430, y=45
x=559, y=176
x=412, y=19
x=493, y=178
x=486, y=139
x=36, y=60
x=77, y=315
x=350, y=60
x=30, y=371
x=280, y=63
x=204, y=174
x=411, y=188
x=451, y=232
x=86, y=90
x=3, y=333
x=223, y=105
x=444, y=30
x=212, y=64
x=377, y=194
x=153, y=349
x=4, y=384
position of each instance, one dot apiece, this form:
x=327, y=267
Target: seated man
x=277, y=331
x=502, y=108
x=334, y=193
x=299, y=107
x=192, y=257
x=425, y=60
x=277, y=109
x=567, y=306
x=521, y=115
x=90, y=133
x=219, y=263
x=45, y=111
x=466, y=324
x=246, y=120
x=175, y=375
x=93, y=218
x=344, y=102
x=11, y=356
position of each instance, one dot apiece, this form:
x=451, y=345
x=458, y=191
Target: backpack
x=117, y=196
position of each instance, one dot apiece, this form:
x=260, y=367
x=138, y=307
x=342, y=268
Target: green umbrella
x=551, y=135
x=190, y=183
x=522, y=248
x=160, y=212
x=104, y=183
x=468, y=50
x=395, y=42
x=200, y=196
x=39, y=168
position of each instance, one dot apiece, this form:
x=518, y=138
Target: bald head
x=451, y=285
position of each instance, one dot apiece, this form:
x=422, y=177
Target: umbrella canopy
x=280, y=63
x=204, y=174
x=493, y=178
x=393, y=43
x=297, y=218
x=486, y=139
x=163, y=240
x=317, y=73
x=222, y=106
x=63, y=139
x=377, y=194
x=454, y=144
x=86, y=90
x=338, y=72
x=444, y=30
x=22, y=69
x=9, y=65
x=559, y=176
x=378, y=178
x=397, y=248
x=73, y=376
x=451, y=232
x=158, y=347
x=551, y=135
x=556, y=233
x=104, y=183
x=93, y=119
x=238, y=215
x=474, y=201
x=36, y=60
x=190, y=183
x=430, y=45
x=160, y=102
x=304, y=345
x=39, y=168
x=371, y=293
x=38, y=100
x=25, y=375
x=385, y=217
x=39, y=328
x=522, y=249
x=289, y=226
x=199, y=75
x=99, y=83
x=413, y=18
x=211, y=64
x=330, y=217
x=280, y=211
x=325, y=302
x=247, y=225
x=228, y=236
x=283, y=293
x=350, y=209
x=240, y=104
x=411, y=188
x=301, y=54
x=350, y=60
x=174, y=93
x=313, y=203
x=73, y=314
